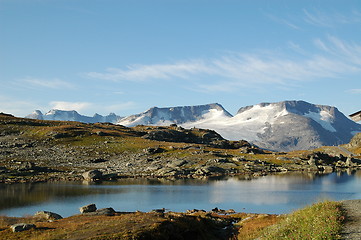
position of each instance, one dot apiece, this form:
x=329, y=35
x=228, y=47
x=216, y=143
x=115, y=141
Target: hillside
x=355, y=144
x=40, y=150
x=176, y=115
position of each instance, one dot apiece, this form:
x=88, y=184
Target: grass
x=322, y=220
x=251, y=226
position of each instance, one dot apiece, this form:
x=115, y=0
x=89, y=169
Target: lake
x=268, y=194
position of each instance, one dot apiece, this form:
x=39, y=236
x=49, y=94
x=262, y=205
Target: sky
x=126, y=56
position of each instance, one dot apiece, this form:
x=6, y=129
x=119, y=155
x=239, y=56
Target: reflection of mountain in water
x=18, y=195
x=283, y=189
x=341, y=177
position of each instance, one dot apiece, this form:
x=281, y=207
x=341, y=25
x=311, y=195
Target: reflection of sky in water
x=270, y=194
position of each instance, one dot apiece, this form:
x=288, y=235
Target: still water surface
x=269, y=194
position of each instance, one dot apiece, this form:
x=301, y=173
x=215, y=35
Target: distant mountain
x=62, y=115
x=282, y=126
x=176, y=115
x=293, y=125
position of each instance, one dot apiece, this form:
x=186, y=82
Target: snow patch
x=324, y=118
x=245, y=125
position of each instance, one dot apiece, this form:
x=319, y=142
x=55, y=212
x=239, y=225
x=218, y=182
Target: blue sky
x=125, y=56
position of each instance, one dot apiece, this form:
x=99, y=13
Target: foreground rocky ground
x=157, y=224
x=323, y=220
x=36, y=150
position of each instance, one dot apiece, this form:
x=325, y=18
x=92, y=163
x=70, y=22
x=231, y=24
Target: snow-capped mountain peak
x=72, y=115
x=37, y=114
x=283, y=126
x=177, y=115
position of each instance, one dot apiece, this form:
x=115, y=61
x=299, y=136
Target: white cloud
x=317, y=19
x=355, y=91
x=89, y=108
x=226, y=73
x=283, y=21
x=77, y=106
x=15, y=106
x=47, y=83
x=321, y=19
x=156, y=71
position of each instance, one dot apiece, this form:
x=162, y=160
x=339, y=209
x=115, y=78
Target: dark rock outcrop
x=22, y=227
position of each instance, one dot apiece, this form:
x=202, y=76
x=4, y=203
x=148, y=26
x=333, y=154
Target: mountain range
x=73, y=115
x=281, y=126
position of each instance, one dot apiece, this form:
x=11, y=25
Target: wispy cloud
x=156, y=71
x=15, y=106
x=349, y=52
x=335, y=57
x=355, y=91
x=283, y=21
x=47, y=83
x=321, y=19
x=90, y=107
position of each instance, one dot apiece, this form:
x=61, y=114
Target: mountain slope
x=292, y=125
x=62, y=115
x=176, y=115
x=282, y=126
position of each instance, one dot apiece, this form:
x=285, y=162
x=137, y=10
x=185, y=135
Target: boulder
x=349, y=162
x=326, y=169
x=19, y=227
x=312, y=161
x=161, y=210
x=167, y=171
x=102, y=211
x=340, y=164
x=153, y=150
x=93, y=175
x=88, y=208
x=106, y=211
x=209, y=170
x=48, y=215
x=176, y=163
